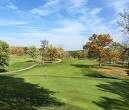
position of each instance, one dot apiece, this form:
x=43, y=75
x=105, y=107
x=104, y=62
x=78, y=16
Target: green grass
x=19, y=62
x=70, y=85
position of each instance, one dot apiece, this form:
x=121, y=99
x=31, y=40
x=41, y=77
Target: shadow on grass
x=15, y=94
x=3, y=70
x=87, y=71
x=119, y=88
x=116, y=65
x=29, y=61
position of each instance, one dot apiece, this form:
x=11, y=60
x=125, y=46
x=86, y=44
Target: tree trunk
x=128, y=64
x=100, y=64
x=42, y=60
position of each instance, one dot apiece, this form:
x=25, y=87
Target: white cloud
x=96, y=11
x=47, y=9
x=119, y=5
x=13, y=7
x=4, y=22
x=70, y=26
x=53, y=6
x=78, y=3
x=10, y=5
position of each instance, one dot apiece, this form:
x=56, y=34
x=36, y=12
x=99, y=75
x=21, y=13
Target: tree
x=33, y=52
x=124, y=23
x=25, y=50
x=44, y=44
x=98, y=47
x=4, y=55
x=61, y=52
x=53, y=53
x=116, y=52
x=17, y=51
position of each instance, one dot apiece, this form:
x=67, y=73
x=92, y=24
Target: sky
x=64, y=23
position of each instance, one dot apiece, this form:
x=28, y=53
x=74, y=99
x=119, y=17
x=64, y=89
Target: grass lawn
x=70, y=85
x=19, y=62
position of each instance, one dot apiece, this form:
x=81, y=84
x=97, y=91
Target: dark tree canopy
x=4, y=55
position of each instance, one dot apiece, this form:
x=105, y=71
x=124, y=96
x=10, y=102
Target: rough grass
x=114, y=71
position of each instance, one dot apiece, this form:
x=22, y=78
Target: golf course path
x=24, y=69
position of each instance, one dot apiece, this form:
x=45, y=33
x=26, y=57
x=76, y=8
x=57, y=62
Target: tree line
x=47, y=53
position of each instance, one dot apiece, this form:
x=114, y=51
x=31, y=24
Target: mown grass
x=19, y=62
x=70, y=85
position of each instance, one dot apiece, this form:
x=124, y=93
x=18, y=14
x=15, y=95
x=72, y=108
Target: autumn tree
x=53, y=53
x=98, y=47
x=33, y=52
x=116, y=52
x=4, y=55
x=17, y=51
x=61, y=52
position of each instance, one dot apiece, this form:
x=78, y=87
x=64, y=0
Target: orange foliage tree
x=17, y=51
x=98, y=47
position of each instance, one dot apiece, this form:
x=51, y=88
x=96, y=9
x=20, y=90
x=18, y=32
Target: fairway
x=73, y=85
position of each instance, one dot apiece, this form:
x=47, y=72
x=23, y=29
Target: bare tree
x=124, y=23
x=44, y=44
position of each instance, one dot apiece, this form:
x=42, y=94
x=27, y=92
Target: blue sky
x=66, y=23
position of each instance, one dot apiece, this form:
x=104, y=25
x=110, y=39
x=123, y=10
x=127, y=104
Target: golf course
x=64, y=54
x=72, y=84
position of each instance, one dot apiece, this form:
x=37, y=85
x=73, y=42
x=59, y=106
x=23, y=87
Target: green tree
x=25, y=50
x=33, y=52
x=4, y=56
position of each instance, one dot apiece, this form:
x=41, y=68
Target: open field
x=69, y=85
